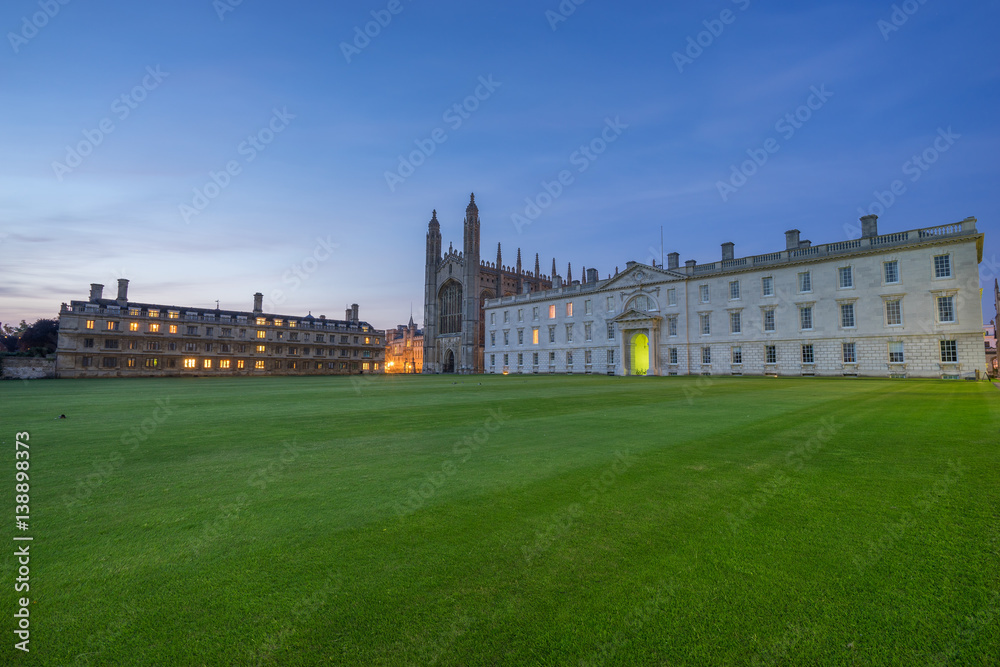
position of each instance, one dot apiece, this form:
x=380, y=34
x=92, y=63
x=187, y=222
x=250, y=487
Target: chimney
x=96, y=290
x=727, y=250
x=869, y=226
x=122, y=292
x=258, y=303
x=347, y=314
x=629, y=264
x=673, y=260
x=592, y=276
x=557, y=281
x=689, y=266
x=354, y=312
x=791, y=239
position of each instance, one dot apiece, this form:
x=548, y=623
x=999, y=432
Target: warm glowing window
x=112, y=326
x=153, y=312
x=154, y=327
x=208, y=363
x=90, y=324
x=260, y=348
x=133, y=326
x=240, y=363
x=259, y=364
x=261, y=333
x=552, y=312
x=367, y=340
x=569, y=309
x=278, y=322
x=173, y=328
x=190, y=363
x=261, y=321
x=365, y=366
x=173, y=314
x=534, y=336
x=292, y=323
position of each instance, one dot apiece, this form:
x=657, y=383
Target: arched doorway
x=449, y=362
x=640, y=354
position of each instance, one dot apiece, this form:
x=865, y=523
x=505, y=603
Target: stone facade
x=404, y=349
x=120, y=338
x=27, y=368
x=456, y=286
x=905, y=304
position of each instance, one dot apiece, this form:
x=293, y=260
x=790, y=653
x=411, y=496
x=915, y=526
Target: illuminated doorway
x=640, y=354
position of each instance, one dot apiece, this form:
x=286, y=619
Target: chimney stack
x=728, y=250
x=869, y=226
x=122, y=292
x=689, y=266
x=791, y=239
x=258, y=303
x=354, y=312
x=673, y=260
x=96, y=291
x=592, y=276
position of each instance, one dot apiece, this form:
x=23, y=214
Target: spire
x=472, y=203
x=537, y=272
x=499, y=257
x=519, y=260
x=583, y=279
x=569, y=272
x=553, y=268
x=434, y=216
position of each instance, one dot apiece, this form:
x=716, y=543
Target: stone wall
x=27, y=368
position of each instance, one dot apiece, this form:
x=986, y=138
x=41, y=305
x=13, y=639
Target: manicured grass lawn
x=508, y=520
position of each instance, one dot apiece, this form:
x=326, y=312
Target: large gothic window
x=642, y=303
x=450, y=299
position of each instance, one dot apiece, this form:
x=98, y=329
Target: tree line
x=38, y=339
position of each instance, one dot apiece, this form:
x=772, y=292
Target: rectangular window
x=569, y=309
x=520, y=358
x=805, y=317
x=520, y=314
x=706, y=324
x=850, y=354
x=552, y=358
x=207, y=363
x=611, y=331
x=552, y=312
x=588, y=308
x=805, y=282
x=493, y=339
x=133, y=326
x=846, y=275
x=240, y=364
x=506, y=316
x=770, y=354
x=891, y=271
x=534, y=313
x=735, y=323
x=88, y=342
x=767, y=286
x=259, y=364
x=588, y=358
x=109, y=362
x=209, y=330
x=261, y=348
x=493, y=360
x=552, y=334
x=112, y=326
x=493, y=318
x=152, y=363
x=946, y=308
x=569, y=333
x=737, y=355
x=847, y=315
x=734, y=290
x=611, y=357
x=172, y=328
x=703, y=291
x=611, y=304
x=534, y=336
x=896, y=352
x=506, y=359
x=949, y=351
x=534, y=358
x=520, y=336
x=893, y=312
x=225, y=364
x=506, y=338
x=193, y=331
x=569, y=358
x=110, y=343
x=769, y=319
x=153, y=312
x=807, y=354
x=671, y=326
x=190, y=363
x=671, y=297
x=588, y=331
x=173, y=314
x=672, y=355
x=942, y=266
x=90, y=324
x=130, y=362
x=154, y=327
x=706, y=355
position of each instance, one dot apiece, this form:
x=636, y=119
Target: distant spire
x=553, y=268
x=451, y=248
x=537, y=271
x=434, y=215
x=519, y=260
x=583, y=279
x=569, y=272
x=616, y=270
x=472, y=203
x=499, y=257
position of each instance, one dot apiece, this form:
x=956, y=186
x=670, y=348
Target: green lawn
x=507, y=520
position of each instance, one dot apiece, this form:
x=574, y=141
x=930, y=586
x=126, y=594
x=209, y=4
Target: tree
x=41, y=337
x=9, y=335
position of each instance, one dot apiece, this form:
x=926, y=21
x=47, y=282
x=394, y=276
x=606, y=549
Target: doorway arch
x=449, y=362
x=640, y=354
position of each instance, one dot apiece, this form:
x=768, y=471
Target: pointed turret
x=519, y=261
x=472, y=203
x=569, y=272
x=583, y=279
x=553, y=268
x=499, y=256
x=537, y=272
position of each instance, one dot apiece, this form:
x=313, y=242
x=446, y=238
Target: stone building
x=404, y=349
x=905, y=304
x=121, y=338
x=456, y=286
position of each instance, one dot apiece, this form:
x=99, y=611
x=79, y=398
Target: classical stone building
x=905, y=304
x=456, y=286
x=121, y=338
x=404, y=349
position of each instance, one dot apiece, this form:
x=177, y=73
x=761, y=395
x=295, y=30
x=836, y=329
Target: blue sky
x=264, y=98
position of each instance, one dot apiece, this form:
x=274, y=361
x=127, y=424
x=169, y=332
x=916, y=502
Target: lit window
x=207, y=363
x=805, y=317
x=735, y=323
x=112, y=326
x=153, y=312
x=225, y=363
x=949, y=351
x=770, y=354
x=173, y=328
x=90, y=324
x=767, y=286
x=891, y=271
x=569, y=309
x=190, y=363
x=896, y=352
x=942, y=266
x=850, y=354
x=368, y=340
x=259, y=364
x=946, y=308
x=846, y=275
x=278, y=322
x=552, y=312
x=152, y=363
x=706, y=324
x=133, y=326
x=738, y=355
x=807, y=354
x=240, y=364
x=893, y=312
x=293, y=323
x=365, y=366
x=805, y=282
x=173, y=314
x=261, y=333
x=734, y=289
x=261, y=321
x=703, y=289
x=130, y=362
x=534, y=336
x=847, y=315
x=154, y=327
x=260, y=348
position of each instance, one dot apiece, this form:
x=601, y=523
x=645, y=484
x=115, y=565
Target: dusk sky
x=209, y=150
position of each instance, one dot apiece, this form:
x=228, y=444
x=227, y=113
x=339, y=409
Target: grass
x=508, y=520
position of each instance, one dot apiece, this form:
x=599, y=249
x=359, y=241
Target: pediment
x=641, y=274
x=633, y=315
